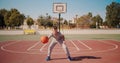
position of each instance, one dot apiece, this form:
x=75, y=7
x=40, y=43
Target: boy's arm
x=63, y=37
x=50, y=36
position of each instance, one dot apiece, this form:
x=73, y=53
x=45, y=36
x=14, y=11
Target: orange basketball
x=44, y=39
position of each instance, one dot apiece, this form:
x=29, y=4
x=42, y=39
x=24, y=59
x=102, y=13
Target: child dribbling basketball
x=57, y=37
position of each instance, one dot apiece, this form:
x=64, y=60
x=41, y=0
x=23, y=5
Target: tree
x=41, y=21
x=30, y=22
x=49, y=24
x=7, y=19
x=65, y=22
x=96, y=21
x=113, y=14
x=84, y=21
x=16, y=18
x=90, y=14
x=2, y=15
x=11, y=18
x=45, y=21
x=1, y=21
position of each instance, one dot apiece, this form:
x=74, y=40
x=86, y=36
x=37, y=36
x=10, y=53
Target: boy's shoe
x=69, y=58
x=48, y=58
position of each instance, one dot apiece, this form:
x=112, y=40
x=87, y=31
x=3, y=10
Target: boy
x=57, y=38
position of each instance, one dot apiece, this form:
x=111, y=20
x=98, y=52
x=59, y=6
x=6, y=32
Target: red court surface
x=82, y=51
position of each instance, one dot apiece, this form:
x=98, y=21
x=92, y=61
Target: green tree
x=2, y=15
x=49, y=24
x=65, y=22
x=41, y=21
x=90, y=14
x=11, y=18
x=113, y=14
x=2, y=24
x=45, y=21
x=16, y=19
x=84, y=21
x=30, y=22
x=7, y=19
x=96, y=21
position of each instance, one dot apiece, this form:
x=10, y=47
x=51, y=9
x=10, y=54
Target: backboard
x=59, y=7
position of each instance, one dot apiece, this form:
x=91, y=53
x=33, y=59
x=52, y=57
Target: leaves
x=113, y=14
x=11, y=18
x=84, y=21
x=96, y=21
x=45, y=21
x=30, y=21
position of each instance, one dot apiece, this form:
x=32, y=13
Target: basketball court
x=82, y=51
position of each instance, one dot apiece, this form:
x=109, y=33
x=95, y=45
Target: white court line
x=12, y=51
x=85, y=45
x=75, y=45
x=33, y=46
x=115, y=40
x=116, y=46
x=26, y=52
x=11, y=43
x=54, y=48
x=42, y=47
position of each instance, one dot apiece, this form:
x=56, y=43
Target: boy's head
x=55, y=29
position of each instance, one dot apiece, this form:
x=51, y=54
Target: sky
x=36, y=8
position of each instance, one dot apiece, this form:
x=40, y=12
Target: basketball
x=44, y=39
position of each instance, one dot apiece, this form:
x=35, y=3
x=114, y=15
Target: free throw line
x=33, y=46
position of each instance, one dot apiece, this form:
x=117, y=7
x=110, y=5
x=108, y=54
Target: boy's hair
x=54, y=27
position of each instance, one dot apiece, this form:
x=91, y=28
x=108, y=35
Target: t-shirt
x=57, y=37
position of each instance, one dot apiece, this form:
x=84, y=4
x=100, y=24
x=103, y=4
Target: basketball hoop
x=59, y=8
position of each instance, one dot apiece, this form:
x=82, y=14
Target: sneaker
x=48, y=58
x=69, y=58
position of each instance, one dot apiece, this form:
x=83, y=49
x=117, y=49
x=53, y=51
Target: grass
x=79, y=36
x=94, y=36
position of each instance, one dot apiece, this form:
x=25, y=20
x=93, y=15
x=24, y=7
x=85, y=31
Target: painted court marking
x=42, y=47
x=75, y=45
x=33, y=46
x=85, y=45
x=15, y=42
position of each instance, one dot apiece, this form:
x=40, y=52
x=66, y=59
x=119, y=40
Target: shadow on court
x=80, y=58
x=57, y=58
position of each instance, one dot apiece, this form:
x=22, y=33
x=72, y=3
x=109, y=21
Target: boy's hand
x=62, y=37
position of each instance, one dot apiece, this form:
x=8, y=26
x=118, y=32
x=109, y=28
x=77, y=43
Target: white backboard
x=59, y=7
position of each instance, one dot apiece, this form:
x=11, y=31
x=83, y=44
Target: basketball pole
x=59, y=8
x=59, y=21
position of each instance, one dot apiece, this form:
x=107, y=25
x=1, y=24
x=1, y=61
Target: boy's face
x=54, y=31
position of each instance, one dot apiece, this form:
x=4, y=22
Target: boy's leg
x=51, y=46
x=66, y=50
